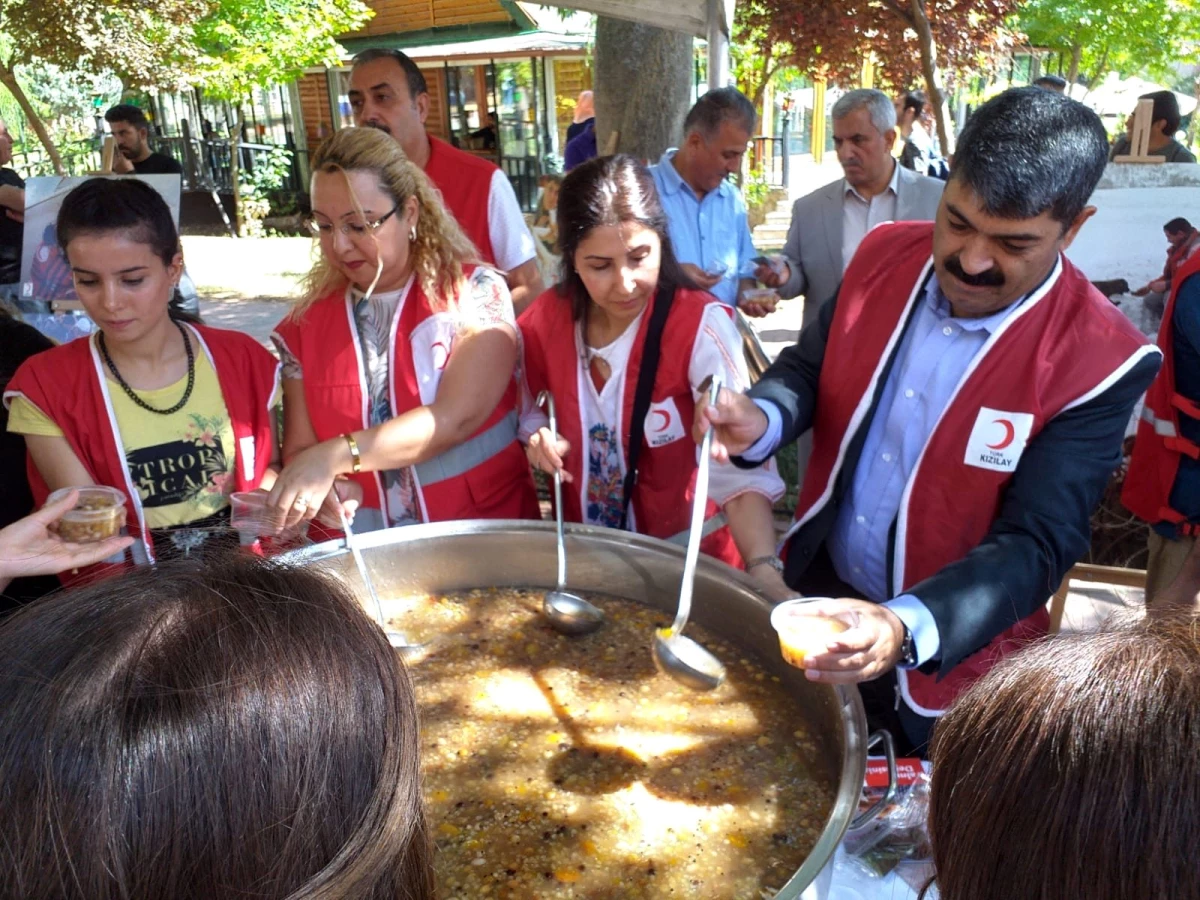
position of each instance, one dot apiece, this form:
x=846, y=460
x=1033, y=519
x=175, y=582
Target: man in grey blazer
x=828, y=224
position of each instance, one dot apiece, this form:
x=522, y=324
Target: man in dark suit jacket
x=968, y=392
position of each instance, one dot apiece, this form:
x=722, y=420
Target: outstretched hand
x=737, y=421
x=29, y=547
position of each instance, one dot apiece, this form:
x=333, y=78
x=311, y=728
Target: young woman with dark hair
x=624, y=301
x=1071, y=770
x=176, y=416
x=231, y=731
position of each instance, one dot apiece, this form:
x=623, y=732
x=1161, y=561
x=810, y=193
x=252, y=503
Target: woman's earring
x=412, y=233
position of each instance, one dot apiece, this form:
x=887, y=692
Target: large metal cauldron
x=455, y=556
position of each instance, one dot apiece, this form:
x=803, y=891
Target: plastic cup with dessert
x=98, y=514
x=802, y=632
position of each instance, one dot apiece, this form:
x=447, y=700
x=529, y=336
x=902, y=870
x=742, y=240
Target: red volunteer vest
x=1159, y=445
x=68, y=384
x=465, y=182
x=325, y=341
x=666, y=479
x=1062, y=346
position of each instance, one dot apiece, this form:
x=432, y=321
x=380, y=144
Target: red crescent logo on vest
x=441, y=355
x=662, y=420
x=1009, y=433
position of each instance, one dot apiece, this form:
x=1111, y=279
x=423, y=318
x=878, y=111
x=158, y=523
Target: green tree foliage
x=1130, y=37
x=223, y=46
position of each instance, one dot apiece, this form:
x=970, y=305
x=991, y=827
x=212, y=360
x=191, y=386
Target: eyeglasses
x=353, y=230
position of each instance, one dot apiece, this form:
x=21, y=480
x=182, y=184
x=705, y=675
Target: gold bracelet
x=355, y=456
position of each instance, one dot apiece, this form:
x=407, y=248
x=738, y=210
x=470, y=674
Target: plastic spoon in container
x=566, y=612
x=395, y=638
x=678, y=656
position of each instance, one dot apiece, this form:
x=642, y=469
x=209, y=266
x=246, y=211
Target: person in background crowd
x=625, y=345
x=228, y=731
x=1182, y=241
x=1164, y=120
x=131, y=130
x=1070, y=770
x=18, y=342
x=388, y=92
x=968, y=391
x=828, y=224
x=12, y=212
x=705, y=213
x=1162, y=485
x=582, y=147
x=489, y=135
x=585, y=111
x=398, y=363
x=30, y=551
x=1051, y=83
x=175, y=416
x=918, y=150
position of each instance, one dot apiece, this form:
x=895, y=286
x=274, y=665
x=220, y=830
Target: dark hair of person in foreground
x=1029, y=150
x=1072, y=770
x=231, y=731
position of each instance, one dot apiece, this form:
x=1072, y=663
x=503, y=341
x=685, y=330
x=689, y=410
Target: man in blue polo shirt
x=705, y=214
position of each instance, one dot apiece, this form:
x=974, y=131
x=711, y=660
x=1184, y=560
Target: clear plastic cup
x=98, y=514
x=716, y=267
x=254, y=522
x=767, y=297
x=802, y=633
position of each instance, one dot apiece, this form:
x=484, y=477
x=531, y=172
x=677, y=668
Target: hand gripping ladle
x=678, y=656
x=566, y=612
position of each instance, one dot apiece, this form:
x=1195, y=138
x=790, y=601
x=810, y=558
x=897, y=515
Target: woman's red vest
x=1160, y=445
x=1058, y=349
x=68, y=384
x=666, y=477
x=485, y=477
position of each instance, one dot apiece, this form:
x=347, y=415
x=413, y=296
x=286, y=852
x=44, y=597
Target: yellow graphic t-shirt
x=181, y=464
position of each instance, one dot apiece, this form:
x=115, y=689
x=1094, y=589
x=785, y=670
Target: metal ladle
x=566, y=612
x=395, y=638
x=678, y=656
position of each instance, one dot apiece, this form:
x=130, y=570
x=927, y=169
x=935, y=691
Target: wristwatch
x=908, y=650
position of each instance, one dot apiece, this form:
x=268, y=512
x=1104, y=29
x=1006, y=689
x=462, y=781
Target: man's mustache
x=378, y=126
x=988, y=278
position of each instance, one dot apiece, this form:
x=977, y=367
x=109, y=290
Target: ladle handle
x=696, y=532
x=546, y=399
x=352, y=546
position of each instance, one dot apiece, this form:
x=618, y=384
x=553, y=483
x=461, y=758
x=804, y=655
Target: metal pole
x=785, y=140
x=718, y=45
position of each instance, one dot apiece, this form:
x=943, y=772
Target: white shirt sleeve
x=512, y=244
x=718, y=351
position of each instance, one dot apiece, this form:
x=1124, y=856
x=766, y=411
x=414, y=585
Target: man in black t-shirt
x=132, y=130
x=12, y=212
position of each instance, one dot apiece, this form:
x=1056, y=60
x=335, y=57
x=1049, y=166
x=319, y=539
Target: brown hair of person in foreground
x=1072, y=771
x=232, y=730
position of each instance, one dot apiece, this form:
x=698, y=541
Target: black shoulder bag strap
x=641, y=395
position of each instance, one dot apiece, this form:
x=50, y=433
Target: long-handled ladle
x=678, y=656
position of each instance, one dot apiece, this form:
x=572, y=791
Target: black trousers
x=881, y=696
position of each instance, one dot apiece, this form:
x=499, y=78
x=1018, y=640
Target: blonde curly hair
x=440, y=250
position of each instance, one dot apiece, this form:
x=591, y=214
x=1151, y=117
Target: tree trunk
x=235, y=143
x=933, y=78
x=643, y=78
x=1076, y=57
x=9, y=79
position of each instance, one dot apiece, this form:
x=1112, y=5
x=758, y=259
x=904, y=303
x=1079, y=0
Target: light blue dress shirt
x=708, y=231
x=933, y=355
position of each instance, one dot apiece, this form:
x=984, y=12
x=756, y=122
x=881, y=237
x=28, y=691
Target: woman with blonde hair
x=399, y=361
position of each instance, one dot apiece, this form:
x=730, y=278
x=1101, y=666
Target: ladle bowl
x=566, y=612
